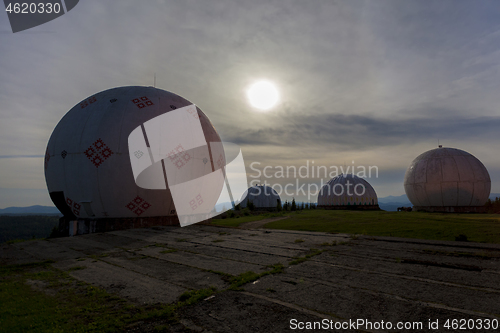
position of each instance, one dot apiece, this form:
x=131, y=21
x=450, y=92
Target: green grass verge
x=298, y=260
x=169, y=251
x=236, y=222
x=39, y=298
x=66, y=306
x=247, y=277
x=483, y=228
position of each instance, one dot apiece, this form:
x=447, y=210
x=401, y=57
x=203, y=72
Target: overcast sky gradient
x=377, y=82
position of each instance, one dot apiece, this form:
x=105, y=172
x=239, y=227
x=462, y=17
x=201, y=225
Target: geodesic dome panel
x=347, y=190
x=261, y=196
x=444, y=177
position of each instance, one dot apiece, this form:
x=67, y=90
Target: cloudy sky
x=375, y=82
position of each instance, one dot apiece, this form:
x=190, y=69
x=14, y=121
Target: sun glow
x=263, y=95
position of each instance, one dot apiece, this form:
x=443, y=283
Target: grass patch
x=39, y=298
x=70, y=307
x=137, y=257
x=194, y=296
x=478, y=255
x=234, y=222
x=102, y=255
x=14, y=241
x=169, y=251
x=298, y=241
x=76, y=268
x=217, y=240
x=161, y=328
x=298, y=260
x=437, y=226
x=225, y=276
x=243, y=278
x=169, y=311
x=181, y=239
x=12, y=269
x=247, y=277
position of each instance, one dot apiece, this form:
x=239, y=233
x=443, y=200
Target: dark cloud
x=357, y=132
x=354, y=75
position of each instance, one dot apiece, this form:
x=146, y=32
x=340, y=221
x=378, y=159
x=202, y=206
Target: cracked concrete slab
x=135, y=287
x=376, y=278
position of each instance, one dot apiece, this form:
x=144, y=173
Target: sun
x=263, y=95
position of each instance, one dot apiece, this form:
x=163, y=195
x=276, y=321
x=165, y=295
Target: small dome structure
x=347, y=192
x=263, y=198
x=447, y=179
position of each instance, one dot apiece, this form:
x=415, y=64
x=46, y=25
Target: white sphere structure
x=88, y=164
x=447, y=179
x=263, y=197
x=347, y=192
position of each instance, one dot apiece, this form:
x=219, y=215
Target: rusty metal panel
x=420, y=172
x=421, y=194
x=434, y=172
x=449, y=193
x=449, y=169
x=411, y=193
x=481, y=193
x=465, y=192
x=464, y=168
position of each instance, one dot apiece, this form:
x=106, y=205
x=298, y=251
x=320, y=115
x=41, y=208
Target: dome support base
x=351, y=207
x=450, y=209
x=69, y=227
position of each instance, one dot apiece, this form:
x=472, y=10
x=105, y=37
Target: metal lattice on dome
x=346, y=191
x=447, y=179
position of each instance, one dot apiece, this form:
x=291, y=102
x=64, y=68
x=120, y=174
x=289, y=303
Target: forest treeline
x=14, y=227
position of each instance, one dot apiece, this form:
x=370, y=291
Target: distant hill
x=391, y=203
x=31, y=210
x=394, y=199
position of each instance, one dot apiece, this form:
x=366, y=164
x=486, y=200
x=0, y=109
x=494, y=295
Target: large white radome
x=447, y=177
x=88, y=165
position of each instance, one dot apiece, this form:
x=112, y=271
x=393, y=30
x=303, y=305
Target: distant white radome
x=347, y=192
x=88, y=164
x=447, y=179
x=262, y=197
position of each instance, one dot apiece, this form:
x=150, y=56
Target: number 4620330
x=33, y=8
